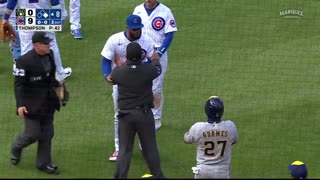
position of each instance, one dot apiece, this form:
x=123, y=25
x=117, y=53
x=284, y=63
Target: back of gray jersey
x=213, y=141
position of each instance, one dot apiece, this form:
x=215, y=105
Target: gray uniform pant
x=37, y=129
x=141, y=121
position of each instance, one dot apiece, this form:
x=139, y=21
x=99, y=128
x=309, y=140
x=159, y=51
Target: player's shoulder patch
x=158, y=23
x=173, y=23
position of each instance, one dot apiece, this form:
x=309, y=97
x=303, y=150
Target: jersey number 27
x=210, y=145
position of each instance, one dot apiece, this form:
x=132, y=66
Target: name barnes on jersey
x=215, y=133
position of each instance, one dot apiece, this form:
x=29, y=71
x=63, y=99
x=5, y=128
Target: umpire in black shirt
x=135, y=101
x=36, y=101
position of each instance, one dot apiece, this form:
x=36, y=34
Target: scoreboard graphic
x=38, y=20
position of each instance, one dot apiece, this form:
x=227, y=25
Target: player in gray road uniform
x=214, y=139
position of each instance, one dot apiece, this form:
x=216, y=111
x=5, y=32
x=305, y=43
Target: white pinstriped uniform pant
x=116, y=120
x=157, y=86
x=74, y=11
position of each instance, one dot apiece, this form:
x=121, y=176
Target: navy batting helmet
x=214, y=109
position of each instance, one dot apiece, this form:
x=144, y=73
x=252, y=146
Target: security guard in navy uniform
x=36, y=101
x=135, y=101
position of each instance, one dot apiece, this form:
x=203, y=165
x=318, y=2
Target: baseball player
x=214, y=139
x=114, y=54
x=74, y=9
x=159, y=25
x=14, y=45
x=25, y=36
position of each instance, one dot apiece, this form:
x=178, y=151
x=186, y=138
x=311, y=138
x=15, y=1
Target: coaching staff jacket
x=35, y=83
x=134, y=81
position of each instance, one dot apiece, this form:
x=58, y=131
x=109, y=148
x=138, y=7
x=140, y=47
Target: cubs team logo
x=158, y=23
x=20, y=20
x=135, y=21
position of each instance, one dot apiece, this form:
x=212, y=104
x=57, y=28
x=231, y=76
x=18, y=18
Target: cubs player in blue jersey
x=25, y=36
x=214, y=139
x=160, y=26
x=114, y=54
x=14, y=45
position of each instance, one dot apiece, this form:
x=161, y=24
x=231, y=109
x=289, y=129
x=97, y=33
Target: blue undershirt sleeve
x=12, y=4
x=166, y=43
x=54, y=2
x=106, y=66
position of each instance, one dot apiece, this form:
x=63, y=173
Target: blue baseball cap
x=134, y=22
x=298, y=170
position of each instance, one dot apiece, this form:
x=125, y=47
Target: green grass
x=266, y=69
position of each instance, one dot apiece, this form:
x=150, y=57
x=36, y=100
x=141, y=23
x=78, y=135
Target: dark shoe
x=16, y=156
x=50, y=169
x=15, y=160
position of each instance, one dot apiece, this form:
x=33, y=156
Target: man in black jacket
x=135, y=101
x=36, y=101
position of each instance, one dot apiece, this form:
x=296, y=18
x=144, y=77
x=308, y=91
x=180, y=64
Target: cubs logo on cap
x=134, y=22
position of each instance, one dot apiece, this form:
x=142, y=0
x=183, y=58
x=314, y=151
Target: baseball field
x=262, y=57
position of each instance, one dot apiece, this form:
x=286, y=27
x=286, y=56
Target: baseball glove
x=63, y=94
x=7, y=33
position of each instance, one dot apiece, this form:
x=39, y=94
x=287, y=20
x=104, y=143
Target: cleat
x=77, y=34
x=67, y=70
x=114, y=156
x=60, y=76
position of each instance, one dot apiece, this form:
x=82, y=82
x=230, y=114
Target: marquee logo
x=291, y=13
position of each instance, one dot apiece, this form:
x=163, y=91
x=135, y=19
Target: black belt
x=3, y=1
x=144, y=107
x=139, y=107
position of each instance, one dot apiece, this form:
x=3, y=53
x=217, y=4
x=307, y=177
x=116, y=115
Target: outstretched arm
x=166, y=43
x=106, y=69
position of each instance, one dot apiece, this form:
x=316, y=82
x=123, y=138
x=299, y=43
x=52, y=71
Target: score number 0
x=30, y=16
